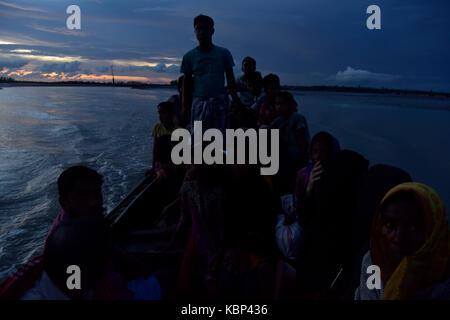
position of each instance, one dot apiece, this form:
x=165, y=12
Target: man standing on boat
x=203, y=68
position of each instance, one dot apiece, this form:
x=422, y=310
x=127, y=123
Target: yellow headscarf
x=427, y=266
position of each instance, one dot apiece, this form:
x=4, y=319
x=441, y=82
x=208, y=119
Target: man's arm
x=232, y=85
x=186, y=95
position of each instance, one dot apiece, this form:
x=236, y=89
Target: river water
x=44, y=130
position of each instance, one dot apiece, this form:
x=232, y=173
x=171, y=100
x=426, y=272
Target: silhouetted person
x=294, y=141
x=245, y=95
x=409, y=242
x=83, y=242
x=205, y=66
x=80, y=194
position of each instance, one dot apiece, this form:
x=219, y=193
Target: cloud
x=15, y=6
x=45, y=58
x=21, y=73
x=6, y=42
x=12, y=38
x=350, y=75
x=63, y=31
x=30, y=15
x=159, y=68
x=103, y=69
x=66, y=67
x=175, y=12
x=166, y=58
x=12, y=63
x=22, y=50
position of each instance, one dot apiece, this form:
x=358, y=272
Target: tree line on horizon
x=173, y=83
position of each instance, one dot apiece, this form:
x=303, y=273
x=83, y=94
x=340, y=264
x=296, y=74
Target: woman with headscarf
x=323, y=149
x=326, y=216
x=410, y=243
x=372, y=187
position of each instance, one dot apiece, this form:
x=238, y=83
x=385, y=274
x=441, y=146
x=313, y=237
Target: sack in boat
x=287, y=204
x=289, y=237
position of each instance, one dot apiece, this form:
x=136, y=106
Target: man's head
x=84, y=242
x=285, y=103
x=204, y=28
x=271, y=84
x=166, y=111
x=80, y=192
x=248, y=65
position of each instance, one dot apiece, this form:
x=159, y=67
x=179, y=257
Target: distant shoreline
x=358, y=89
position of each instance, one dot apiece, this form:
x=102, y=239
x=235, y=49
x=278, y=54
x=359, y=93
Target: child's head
x=248, y=65
x=166, y=111
x=271, y=84
x=204, y=28
x=284, y=103
x=80, y=192
x=254, y=83
x=322, y=147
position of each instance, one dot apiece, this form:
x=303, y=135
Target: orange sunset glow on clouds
x=303, y=42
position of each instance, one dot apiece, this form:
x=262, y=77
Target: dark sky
x=305, y=42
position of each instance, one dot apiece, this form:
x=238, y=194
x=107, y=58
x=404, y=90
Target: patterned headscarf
x=427, y=266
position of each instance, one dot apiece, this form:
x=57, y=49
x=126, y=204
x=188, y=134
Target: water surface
x=44, y=130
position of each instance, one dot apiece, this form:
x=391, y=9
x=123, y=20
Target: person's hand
x=161, y=174
x=315, y=176
x=289, y=219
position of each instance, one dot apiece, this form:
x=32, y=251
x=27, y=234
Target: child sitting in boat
x=80, y=194
x=202, y=203
x=84, y=244
x=176, y=100
x=294, y=141
x=166, y=126
x=248, y=67
x=254, y=86
x=267, y=111
x=245, y=116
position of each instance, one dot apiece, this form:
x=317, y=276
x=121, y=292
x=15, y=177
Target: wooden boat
x=140, y=228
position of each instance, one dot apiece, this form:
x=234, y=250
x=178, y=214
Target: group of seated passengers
x=352, y=216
